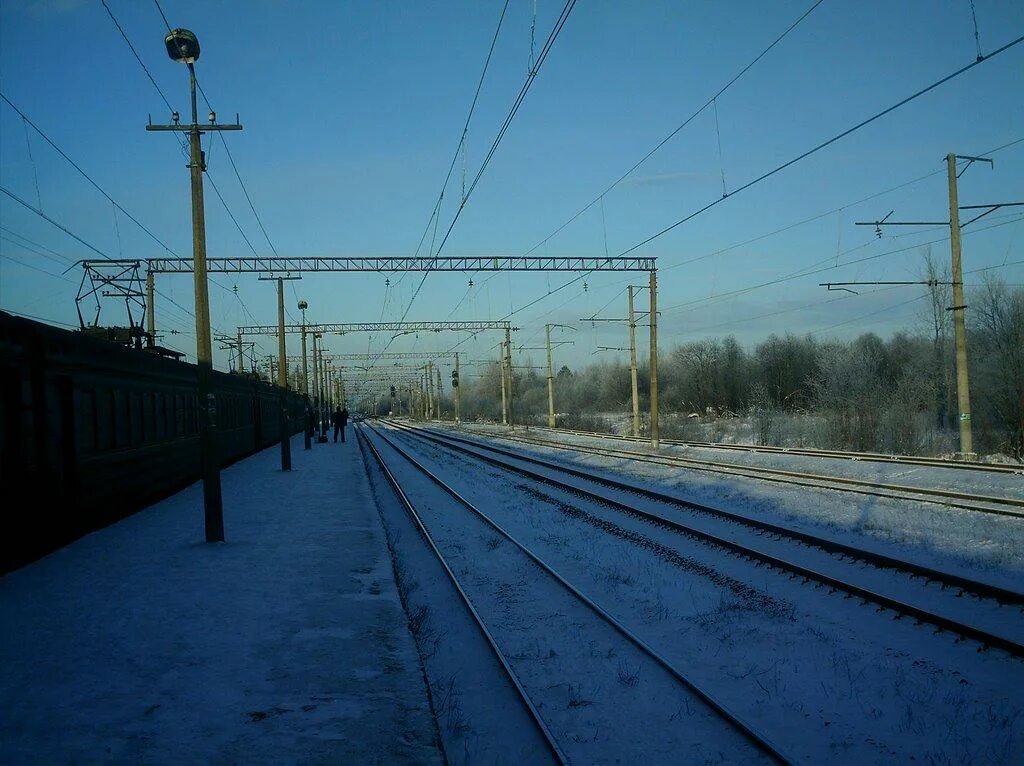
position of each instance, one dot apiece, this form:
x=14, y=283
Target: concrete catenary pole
x=458, y=385
x=504, y=395
x=316, y=386
x=654, y=360
x=282, y=383
x=551, y=380
x=150, y=309
x=963, y=391
x=508, y=367
x=635, y=390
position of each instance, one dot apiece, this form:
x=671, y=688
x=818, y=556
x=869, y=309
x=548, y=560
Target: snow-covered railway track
x=1003, y=506
x=545, y=734
x=718, y=720
x=863, y=457
x=908, y=589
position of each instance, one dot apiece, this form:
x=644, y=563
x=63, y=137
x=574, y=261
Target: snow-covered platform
x=286, y=644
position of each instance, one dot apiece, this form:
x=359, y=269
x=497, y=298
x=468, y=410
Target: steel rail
x=531, y=709
x=760, y=741
x=984, y=637
x=865, y=457
x=857, y=486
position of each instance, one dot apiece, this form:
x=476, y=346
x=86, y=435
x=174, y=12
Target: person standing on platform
x=340, y=420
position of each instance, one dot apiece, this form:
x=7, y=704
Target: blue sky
x=352, y=112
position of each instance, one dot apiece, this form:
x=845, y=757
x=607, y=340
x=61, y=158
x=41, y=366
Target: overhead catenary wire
x=182, y=146
x=117, y=206
x=675, y=131
x=599, y=198
x=517, y=103
x=826, y=143
x=435, y=214
x=823, y=266
x=52, y=254
x=530, y=78
x=80, y=240
x=85, y=175
x=1001, y=147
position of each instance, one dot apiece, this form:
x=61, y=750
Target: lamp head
x=182, y=46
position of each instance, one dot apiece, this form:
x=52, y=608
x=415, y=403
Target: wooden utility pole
x=963, y=393
x=632, y=366
x=654, y=360
x=282, y=383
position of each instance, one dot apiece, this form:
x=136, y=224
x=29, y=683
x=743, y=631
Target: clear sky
x=353, y=111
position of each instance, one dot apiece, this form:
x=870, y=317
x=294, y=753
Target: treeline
x=870, y=393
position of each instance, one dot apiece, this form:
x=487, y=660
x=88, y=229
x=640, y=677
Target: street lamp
x=183, y=47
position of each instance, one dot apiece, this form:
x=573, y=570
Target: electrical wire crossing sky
x=738, y=143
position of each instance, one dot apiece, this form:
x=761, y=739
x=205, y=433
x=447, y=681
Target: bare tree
x=997, y=355
x=940, y=298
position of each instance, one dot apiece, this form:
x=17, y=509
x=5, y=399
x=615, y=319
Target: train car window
x=149, y=410
x=136, y=418
x=85, y=421
x=179, y=415
x=105, y=420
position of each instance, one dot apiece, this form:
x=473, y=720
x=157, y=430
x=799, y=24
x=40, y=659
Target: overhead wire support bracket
x=987, y=208
x=844, y=286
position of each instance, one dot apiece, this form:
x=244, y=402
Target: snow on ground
x=480, y=717
x=287, y=644
x=981, y=546
x=833, y=679
x=603, y=699
x=956, y=479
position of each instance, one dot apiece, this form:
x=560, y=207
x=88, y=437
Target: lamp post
x=183, y=47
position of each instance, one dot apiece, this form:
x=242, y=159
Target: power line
x=676, y=130
x=31, y=266
x=531, y=76
x=85, y=175
x=465, y=127
x=812, y=268
x=53, y=254
x=826, y=143
x=801, y=272
x=435, y=215
x=231, y=159
x=77, y=238
x=137, y=56
x=549, y=43
x=245, y=191
x=39, y=318
x=181, y=143
x=47, y=218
